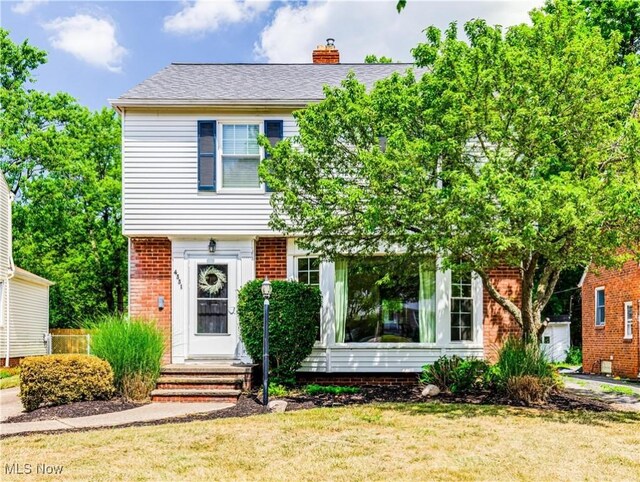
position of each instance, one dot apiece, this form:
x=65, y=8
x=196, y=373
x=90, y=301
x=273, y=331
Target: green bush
x=456, y=374
x=330, y=389
x=134, y=350
x=574, y=356
x=61, y=379
x=517, y=361
x=293, y=324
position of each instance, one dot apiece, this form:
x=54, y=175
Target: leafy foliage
x=134, y=350
x=293, y=324
x=63, y=162
x=519, y=148
x=62, y=379
x=456, y=374
x=330, y=389
x=574, y=356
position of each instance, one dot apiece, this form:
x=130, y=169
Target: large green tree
x=517, y=147
x=63, y=162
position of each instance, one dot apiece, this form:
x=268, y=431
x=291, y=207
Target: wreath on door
x=211, y=280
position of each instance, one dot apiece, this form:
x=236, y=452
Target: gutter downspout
x=11, y=272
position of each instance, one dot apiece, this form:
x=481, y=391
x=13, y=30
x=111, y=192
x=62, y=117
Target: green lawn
x=9, y=377
x=376, y=442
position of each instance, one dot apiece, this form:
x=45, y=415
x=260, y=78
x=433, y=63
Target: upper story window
x=600, y=312
x=240, y=156
x=461, y=307
x=628, y=319
x=229, y=154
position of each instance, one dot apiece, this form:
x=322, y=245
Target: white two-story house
x=193, y=206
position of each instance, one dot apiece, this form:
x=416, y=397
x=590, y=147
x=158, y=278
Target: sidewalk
x=10, y=405
x=620, y=394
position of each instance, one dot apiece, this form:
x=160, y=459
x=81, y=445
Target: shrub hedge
x=294, y=315
x=61, y=379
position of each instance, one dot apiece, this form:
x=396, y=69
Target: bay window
x=461, y=307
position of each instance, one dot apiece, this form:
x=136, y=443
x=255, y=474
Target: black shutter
x=274, y=131
x=207, y=155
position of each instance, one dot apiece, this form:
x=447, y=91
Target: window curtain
x=342, y=299
x=427, y=301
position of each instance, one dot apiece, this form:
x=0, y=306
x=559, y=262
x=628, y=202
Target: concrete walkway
x=10, y=406
x=620, y=394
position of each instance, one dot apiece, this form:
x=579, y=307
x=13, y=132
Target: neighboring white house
x=193, y=205
x=24, y=297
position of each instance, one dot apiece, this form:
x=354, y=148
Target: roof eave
x=120, y=103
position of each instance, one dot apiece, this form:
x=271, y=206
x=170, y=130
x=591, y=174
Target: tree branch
x=506, y=303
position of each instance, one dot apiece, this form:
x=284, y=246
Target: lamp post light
x=266, y=293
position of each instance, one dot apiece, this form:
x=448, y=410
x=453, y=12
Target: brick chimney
x=326, y=54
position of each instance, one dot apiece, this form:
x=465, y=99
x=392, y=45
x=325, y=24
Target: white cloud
x=25, y=6
x=90, y=39
x=209, y=15
x=373, y=27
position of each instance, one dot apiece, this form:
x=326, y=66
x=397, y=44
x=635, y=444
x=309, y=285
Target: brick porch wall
x=607, y=342
x=271, y=258
x=498, y=324
x=150, y=277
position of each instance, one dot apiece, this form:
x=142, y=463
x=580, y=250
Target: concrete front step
x=195, y=395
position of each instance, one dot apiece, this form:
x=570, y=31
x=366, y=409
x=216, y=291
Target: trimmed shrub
x=134, y=350
x=294, y=313
x=455, y=374
x=61, y=379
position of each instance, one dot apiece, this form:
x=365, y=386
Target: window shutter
x=274, y=131
x=207, y=155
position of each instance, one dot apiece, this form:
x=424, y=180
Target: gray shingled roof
x=252, y=82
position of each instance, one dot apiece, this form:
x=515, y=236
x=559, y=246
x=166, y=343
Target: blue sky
x=98, y=50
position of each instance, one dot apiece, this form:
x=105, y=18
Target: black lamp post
x=266, y=292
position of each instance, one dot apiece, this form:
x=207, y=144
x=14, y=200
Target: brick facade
x=607, y=343
x=346, y=379
x=150, y=278
x=498, y=324
x=271, y=258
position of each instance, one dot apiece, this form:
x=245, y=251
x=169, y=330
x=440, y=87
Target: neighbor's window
x=600, y=319
x=628, y=319
x=546, y=340
x=240, y=156
x=382, y=300
x=308, y=272
x=461, y=307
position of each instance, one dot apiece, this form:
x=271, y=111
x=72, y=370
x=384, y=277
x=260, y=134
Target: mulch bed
x=73, y=410
x=249, y=404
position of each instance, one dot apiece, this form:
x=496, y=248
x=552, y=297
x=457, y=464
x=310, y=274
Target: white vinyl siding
x=29, y=318
x=160, y=179
x=628, y=319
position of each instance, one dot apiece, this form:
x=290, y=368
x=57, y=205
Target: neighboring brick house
x=610, y=320
x=195, y=212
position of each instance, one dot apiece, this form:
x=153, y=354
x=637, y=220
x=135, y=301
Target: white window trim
x=443, y=315
x=628, y=322
x=595, y=306
x=219, y=169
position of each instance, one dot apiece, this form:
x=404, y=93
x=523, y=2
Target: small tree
x=518, y=148
x=293, y=324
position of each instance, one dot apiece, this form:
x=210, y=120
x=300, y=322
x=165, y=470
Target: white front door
x=213, y=325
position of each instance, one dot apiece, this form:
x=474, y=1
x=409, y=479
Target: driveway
x=10, y=404
x=620, y=394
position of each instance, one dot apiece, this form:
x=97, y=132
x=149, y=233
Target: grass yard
x=375, y=442
x=9, y=377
